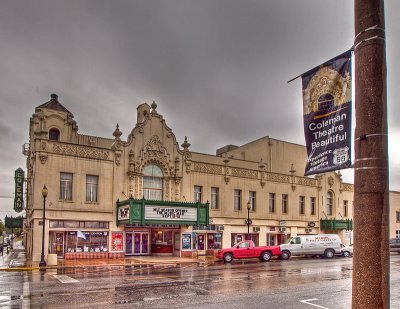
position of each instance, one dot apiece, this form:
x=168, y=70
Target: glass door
x=201, y=244
x=57, y=243
x=137, y=243
x=128, y=243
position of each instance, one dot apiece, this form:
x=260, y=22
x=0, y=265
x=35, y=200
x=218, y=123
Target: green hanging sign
x=19, y=190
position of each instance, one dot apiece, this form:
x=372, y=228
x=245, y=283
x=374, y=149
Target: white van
x=321, y=244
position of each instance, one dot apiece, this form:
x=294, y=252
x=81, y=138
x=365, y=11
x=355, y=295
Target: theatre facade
x=147, y=195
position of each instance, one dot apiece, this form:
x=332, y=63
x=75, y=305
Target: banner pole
x=371, y=186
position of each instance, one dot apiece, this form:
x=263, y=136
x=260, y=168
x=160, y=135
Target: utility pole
x=371, y=185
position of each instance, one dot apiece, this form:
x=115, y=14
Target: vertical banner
x=19, y=190
x=327, y=115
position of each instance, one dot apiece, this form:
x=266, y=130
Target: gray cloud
x=216, y=68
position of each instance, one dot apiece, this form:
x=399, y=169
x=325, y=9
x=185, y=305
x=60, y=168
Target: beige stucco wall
x=119, y=164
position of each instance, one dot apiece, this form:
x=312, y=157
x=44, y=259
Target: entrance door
x=137, y=243
x=201, y=244
x=57, y=243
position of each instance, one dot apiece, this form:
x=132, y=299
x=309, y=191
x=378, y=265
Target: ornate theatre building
x=147, y=195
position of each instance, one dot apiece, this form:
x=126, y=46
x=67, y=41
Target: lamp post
x=248, y=221
x=44, y=194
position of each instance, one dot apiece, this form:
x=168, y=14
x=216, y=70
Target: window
x=397, y=216
x=398, y=234
x=346, y=208
x=152, y=182
x=284, y=203
x=197, y=193
x=92, y=242
x=54, y=134
x=237, y=200
x=326, y=102
x=312, y=205
x=66, y=186
x=214, y=198
x=252, y=200
x=92, y=183
x=271, y=203
x=329, y=204
x=302, y=206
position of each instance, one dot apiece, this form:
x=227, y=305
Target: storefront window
x=162, y=237
x=93, y=242
x=214, y=241
x=186, y=241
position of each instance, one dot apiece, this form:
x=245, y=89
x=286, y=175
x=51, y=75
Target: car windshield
x=288, y=241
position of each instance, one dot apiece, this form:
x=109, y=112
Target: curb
x=19, y=269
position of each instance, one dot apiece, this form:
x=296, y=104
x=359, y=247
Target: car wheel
x=228, y=257
x=329, y=253
x=346, y=253
x=266, y=256
x=285, y=255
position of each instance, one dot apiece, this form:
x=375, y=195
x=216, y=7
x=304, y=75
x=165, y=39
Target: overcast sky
x=218, y=69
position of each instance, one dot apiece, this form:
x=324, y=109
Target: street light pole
x=248, y=220
x=44, y=194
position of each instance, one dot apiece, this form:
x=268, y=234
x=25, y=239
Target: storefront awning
x=334, y=224
x=133, y=211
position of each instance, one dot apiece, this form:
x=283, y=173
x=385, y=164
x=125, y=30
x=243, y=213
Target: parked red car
x=246, y=249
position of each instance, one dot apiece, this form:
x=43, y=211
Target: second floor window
x=54, y=134
x=271, y=207
x=397, y=216
x=284, y=203
x=92, y=183
x=302, y=205
x=214, y=198
x=312, y=206
x=152, y=182
x=237, y=200
x=329, y=204
x=66, y=186
x=197, y=193
x=346, y=208
x=252, y=200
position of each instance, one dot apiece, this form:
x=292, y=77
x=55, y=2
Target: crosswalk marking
x=65, y=279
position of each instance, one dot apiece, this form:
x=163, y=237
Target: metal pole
x=371, y=197
x=248, y=223
x=42, y=261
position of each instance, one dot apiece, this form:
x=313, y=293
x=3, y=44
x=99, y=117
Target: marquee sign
x=166, y=213
x=19, y=190
x=145, y=212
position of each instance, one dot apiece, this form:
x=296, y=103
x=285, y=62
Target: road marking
x=65, y=279
x=26, y=304
x=307, y=301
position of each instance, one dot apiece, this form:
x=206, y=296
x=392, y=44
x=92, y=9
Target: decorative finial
x=153, y=107
x=185, y=144
x=117, y=133
x=292, y=170
x=54, y=97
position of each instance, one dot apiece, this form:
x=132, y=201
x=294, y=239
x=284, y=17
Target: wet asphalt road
x=297, y=283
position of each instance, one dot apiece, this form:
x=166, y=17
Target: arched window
x=152, y=182
x=329, y=204
x=326, y=102
x=54, y=134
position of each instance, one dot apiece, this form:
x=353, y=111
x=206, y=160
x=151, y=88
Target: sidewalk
x=16, y=261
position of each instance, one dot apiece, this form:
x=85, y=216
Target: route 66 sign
x=340, y=155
